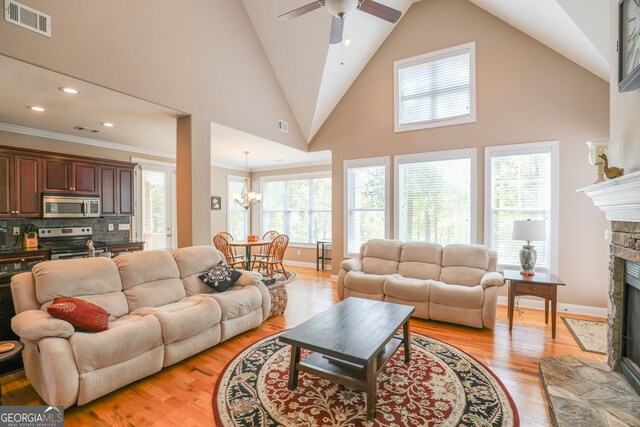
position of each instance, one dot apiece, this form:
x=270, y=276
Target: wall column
x=193, y=181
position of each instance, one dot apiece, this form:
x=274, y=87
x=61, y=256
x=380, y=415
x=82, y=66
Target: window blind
x=435, y=201
x=366, y=205
x=237, y=216
x=520, y=190
x=155, y=195
x=435, y=89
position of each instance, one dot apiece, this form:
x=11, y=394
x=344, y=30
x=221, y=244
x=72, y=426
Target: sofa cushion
x=365, y=283
x=237, y=301
x=196, y=259
x=80, y=313
x=150, y=279
x=456, y=295
x=124, y=340
x=420, y=260
x=464, y=264
x=381, y=256
x=406, y=288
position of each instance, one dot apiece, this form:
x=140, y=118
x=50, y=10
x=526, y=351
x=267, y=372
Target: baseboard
x=304, y=264
x=538, y=304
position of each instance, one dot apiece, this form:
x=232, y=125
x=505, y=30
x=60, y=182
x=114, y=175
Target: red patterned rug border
x=216, y=388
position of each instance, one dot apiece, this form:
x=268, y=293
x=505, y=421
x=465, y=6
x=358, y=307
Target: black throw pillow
x=221, y=277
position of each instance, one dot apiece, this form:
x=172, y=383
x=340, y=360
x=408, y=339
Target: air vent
x=27, y=17
x=86, y=129
x=283, y=126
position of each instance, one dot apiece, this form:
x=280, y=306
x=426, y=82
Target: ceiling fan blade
x=300, y=11
x=337, y=29
x=381, y=11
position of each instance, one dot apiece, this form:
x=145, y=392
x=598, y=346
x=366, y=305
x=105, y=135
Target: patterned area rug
x=288, y=278
x=442, y=386
x=589, y=334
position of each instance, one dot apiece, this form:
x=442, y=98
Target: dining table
x=247, y=245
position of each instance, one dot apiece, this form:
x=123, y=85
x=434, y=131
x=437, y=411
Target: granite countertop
x=19, y=250
x=115, y=243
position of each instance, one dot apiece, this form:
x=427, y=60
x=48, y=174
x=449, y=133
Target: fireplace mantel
x=618, y=198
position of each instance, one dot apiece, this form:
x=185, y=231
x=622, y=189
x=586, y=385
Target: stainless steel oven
x=54, y=206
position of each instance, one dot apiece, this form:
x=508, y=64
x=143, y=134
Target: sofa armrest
x=492, y=278
x=248, y=278
x=352, y=264
x=37, y=324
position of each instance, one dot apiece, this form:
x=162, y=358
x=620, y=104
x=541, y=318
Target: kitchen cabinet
x=19, y=186
x=123, y=248
x=67, y=176
x=116, y=190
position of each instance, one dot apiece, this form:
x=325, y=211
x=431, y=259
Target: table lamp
x=529, y=231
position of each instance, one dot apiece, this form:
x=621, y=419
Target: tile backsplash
x=100, y=226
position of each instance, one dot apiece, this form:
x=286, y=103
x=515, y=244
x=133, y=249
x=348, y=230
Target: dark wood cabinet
x=19, y=186
x=84, y=178
x=6, y=188
x=56, y=176
x=124, y=248
x=116, y=190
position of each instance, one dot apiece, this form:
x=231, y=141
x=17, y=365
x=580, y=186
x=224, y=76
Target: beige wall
x=625, y=108
x=526, y=92
x=204, y=60
x=219, y=180
x=296, y=253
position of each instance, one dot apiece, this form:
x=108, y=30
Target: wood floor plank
x=181, y=394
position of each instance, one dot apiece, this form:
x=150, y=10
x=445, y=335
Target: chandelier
x=247, y=198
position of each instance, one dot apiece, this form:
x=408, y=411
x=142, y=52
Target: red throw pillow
x=80, y=313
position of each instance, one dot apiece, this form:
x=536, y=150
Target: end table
x=542, y=285
x=8, y=355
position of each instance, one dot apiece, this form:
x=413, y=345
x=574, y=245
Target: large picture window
x=237, y=216
x=435, y=197
x=366, y=198
x=298, y=205
x=521, y=183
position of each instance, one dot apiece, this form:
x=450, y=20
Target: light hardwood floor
x=181, y=394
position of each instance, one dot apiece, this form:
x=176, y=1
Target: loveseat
x=160, y=313
x=455, y=283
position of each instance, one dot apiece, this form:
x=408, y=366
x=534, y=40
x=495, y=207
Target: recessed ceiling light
x=38, y=109
x=347, y=42
x=69, y=90
x=108, y=124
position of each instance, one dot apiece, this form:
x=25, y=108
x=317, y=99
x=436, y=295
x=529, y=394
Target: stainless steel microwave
x=70, y=206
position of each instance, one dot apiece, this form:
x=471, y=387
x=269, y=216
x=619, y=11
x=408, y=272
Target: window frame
x=360, y=163
x=247, y=217
x=553, y=147
x=464, y=153
x=429, y=57
x=294, y=177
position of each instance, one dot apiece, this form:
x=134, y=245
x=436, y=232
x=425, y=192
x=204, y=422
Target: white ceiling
x=307, y=67
x=228, y=146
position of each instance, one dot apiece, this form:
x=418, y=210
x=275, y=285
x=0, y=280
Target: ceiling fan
x=340, y=8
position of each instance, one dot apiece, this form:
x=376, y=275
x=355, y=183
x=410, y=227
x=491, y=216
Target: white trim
x=229, y=201
x=465, y=153
x=358, y=163
x=275, y=167
x=552, y=147
x=85, y=141
x=304, y=264
x=428, y=57
x=295, y=176
x=538, y=304
x=152, y=162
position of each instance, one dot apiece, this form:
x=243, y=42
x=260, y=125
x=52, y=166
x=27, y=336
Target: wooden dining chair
x=222, y=244
x=263, y=251
x=273, y=262
x=229, y=238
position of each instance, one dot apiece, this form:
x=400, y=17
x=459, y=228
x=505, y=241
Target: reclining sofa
x=455, y=283
x=160, y=313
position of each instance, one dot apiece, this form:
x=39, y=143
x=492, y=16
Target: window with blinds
x=299, y=206
x=521, y=187
x=435, y=197
x=435, y=89
x=237, y=216
x=366, y=190
x=155, y=193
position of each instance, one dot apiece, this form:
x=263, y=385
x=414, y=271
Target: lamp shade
x=529, y=230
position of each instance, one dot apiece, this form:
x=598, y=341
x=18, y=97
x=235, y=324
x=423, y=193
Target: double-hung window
x=237, y=216
x=366, y=198
x=298, y=205
x=435, y=89
x=435, y=197
x=521, y=183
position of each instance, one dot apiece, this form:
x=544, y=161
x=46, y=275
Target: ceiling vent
x=86, y=129
x=27, y=17
x=283, y=126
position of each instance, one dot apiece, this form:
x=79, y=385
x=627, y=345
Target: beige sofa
x=160, y=314
x=456, y=284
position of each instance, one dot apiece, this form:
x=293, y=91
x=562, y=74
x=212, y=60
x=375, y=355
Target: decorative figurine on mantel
x=611, y=172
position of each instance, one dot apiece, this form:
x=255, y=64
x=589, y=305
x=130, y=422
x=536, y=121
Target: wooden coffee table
x=351, y=342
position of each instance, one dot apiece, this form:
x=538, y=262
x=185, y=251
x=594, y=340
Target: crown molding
x=84, y=141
